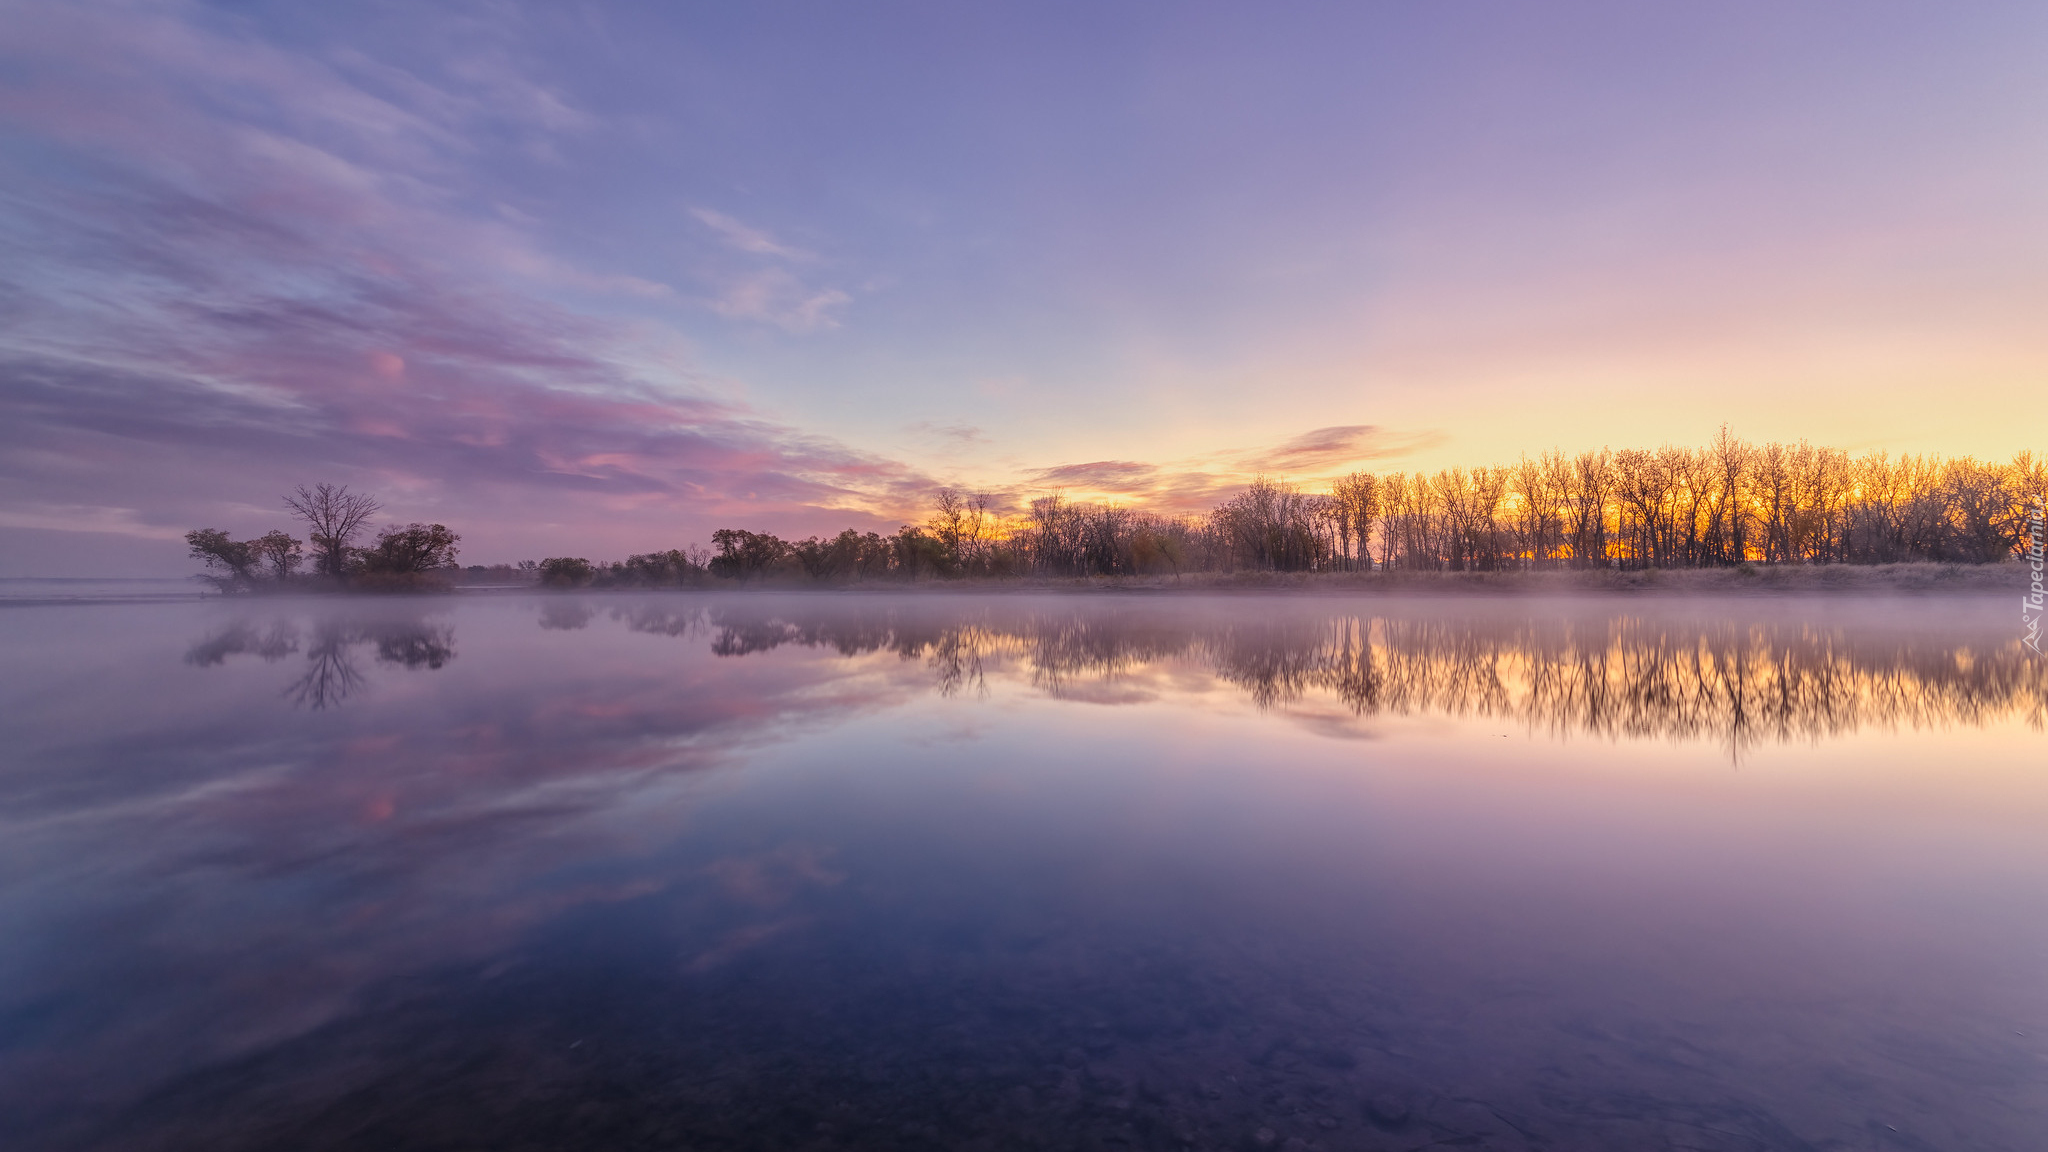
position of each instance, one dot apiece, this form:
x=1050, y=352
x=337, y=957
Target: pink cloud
x=1101, y=476
x=262, y=282
x=1337, y=446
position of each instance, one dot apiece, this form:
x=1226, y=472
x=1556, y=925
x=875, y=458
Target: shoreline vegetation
x=1913, y=577
x=1729, y=517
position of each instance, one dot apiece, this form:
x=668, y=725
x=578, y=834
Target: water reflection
x=849, y=872
x=1689, y=676
x=565, y=615
x=1733, y=681
x=331, y=673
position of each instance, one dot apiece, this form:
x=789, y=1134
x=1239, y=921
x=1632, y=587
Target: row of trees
x=1728, y=503
x=401, y=556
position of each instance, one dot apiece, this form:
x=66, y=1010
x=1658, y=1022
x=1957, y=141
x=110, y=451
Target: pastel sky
x=592, y=279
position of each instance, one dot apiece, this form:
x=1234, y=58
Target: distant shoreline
x=1936, y=579
x=1912, y=578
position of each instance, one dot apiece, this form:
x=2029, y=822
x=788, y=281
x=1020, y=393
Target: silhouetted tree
x=959, y=522
x=671, y=569
x=278, y=552
x=334, y=516
x=744, y=555
x=565, y=571
x=235, y=559
x=850, y=555
x=1357, y=499
x=1588, y=488
x=918, y=555
x=410, y=550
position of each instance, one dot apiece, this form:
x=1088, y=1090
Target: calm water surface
x=869, y=871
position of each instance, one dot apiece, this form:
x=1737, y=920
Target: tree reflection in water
x=1737, y=680
x=1639, y=674
x=332, y=673
x=555, y=886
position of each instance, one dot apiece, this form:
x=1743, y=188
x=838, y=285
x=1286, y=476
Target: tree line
x=1728, y=503
x=402, y=556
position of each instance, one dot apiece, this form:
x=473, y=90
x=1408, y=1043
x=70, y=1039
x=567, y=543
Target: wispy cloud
x=769, y=290
x=957, y=437
x=235, y=269
x=84, y=518
x=226, y=267
x=776, y=296
x=1338, y=445
x=1101, y=476
x=745, y=238
x=1197, y=484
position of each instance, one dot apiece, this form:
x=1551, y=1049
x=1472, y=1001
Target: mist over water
x=838, y=871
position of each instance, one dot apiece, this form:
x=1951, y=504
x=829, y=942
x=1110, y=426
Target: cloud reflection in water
x=894, y=849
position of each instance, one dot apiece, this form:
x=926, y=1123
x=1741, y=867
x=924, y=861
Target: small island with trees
x=408, y=557
x=1731, y=505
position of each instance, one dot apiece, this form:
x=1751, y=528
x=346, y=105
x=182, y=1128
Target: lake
x=880, y=870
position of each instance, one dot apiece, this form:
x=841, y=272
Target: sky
x=593, y=279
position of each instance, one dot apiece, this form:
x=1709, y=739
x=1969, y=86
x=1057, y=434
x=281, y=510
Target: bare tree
x=1729, y=516
x=334, y=516
x=1591, y=482
x=1643, y=482
x=961, y=523
x=1539, y=490
x=1358, y=503
x=1771, y=488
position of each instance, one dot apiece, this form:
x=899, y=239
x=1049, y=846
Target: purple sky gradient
x=594, y=279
